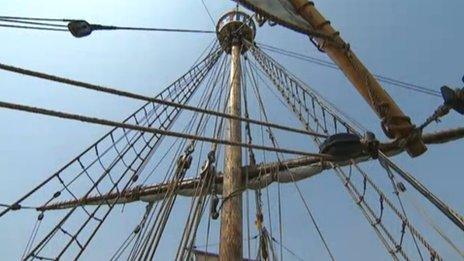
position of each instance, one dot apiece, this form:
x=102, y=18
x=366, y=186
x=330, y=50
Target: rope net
x=112, y=164
x=128, y=166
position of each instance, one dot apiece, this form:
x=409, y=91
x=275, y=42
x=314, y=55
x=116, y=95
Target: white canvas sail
x=279, y=11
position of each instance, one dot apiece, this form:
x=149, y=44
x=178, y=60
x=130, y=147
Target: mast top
x=233, y=27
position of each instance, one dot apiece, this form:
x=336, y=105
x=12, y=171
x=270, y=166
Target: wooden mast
x=233, y=29
x=231, y=215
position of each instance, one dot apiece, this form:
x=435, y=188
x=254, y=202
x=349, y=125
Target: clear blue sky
x=418, y=41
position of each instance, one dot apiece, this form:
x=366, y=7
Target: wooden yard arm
x=286, y=171
x=395, y=123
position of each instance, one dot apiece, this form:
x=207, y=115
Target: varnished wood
x=397, y=123
x=230, y=248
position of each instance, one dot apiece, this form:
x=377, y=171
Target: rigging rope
x=110, y=123
x=209, y=13
x=33, y=235
x=126, y=94
x=321, y=62
x=207, y=177
x=218, y=131
x=141, y=244
x=16, y=207
x=368, y=214
x=263, y=251
x=172, y=30
x=182, y=84
x=198, y=202
x=278, y=77
x=133, y=234
x=34, y=19
x=99, y=27
x=178, y=90
x=189, y=126
x=32, y=27
x=274, y=142
x=250, y=156
x=159, y=224
x=397, y=212
x=182, y=90
x=445, y=209
x=397, y=194
x=34, y=23
x=287, y=249
x=219, y=141
x=264, y=234
x=422, y=211
x=283, y=80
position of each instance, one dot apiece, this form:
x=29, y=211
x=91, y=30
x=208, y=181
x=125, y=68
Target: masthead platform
x=235, y=26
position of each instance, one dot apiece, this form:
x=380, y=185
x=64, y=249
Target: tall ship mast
x=202, y=170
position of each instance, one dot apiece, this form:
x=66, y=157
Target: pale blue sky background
x=418, y=41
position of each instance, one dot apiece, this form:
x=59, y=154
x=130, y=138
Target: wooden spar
x=233, y=28
x=156, y=192
x=230, y=247
x=394, y=122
